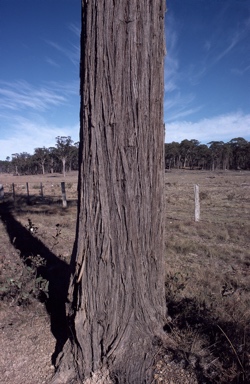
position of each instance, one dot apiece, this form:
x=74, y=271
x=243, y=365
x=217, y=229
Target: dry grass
x=207, y=283
x=208, y=286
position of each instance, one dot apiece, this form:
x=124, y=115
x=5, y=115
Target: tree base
x=100, y=377
x=133, y=367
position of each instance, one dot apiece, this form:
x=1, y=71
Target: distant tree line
x=190, y=154
x=61, y=158
x=216, y=155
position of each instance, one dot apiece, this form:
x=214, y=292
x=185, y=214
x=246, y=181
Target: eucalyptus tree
x=188, y=152
x=73, y=157
x=239, y=152
x=116, y=294
x=52, y=159
x=22, y=163
x=15, y=163
x=248, y=155
x=226, y=156
x=41, y=155
x=193, y=153
x=5, y=165
x=172, y=155
x=203, y=156
x=216, y=152
x=63, y=150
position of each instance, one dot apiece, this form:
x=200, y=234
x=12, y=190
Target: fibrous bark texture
x=117, y=289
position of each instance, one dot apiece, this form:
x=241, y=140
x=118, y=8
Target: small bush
x=203, y=195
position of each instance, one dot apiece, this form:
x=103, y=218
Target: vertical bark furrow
x=120, y=225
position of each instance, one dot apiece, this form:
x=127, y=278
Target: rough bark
x=117, y=289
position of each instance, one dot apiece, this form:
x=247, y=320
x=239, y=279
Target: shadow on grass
x=216, y=350
x=54, y=270
x=35, y=200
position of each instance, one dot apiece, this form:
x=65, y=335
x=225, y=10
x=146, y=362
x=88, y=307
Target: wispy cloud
x=35, y=109
x=26, y=111
x=241, y=71
x=20, y=95
x=72, y=53
x=229, y=48
x=70, y=50
x=186, y=76
x=52, y=62
x=207, y=46
x=223, y=46
x=218, y=128
x=179, y=106
x=75, y=28
x=171, y=72
x=171, y=62
x=177, y=102
x=26, y=135
x=217, y=46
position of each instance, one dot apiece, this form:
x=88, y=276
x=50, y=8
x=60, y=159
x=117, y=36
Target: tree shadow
x=37, y=200
x=214, y=349
x=54, y=270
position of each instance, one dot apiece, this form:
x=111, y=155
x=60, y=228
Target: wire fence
x=223, y=197
x=217, y=202
x=43, y=192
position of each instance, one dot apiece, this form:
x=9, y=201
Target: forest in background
x=190, y=154
x=63, y=157
x=216, y=155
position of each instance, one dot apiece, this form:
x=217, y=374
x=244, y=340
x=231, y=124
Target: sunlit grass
x=208, y=265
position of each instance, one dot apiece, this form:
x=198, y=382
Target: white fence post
x=64, y=200
x=196, y=203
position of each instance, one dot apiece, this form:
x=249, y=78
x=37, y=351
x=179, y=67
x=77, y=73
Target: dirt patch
x=36, y=243
x=25, y=338
x=26, y=345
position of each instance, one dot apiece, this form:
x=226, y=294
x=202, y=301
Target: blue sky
x=207, y=71
x=39, y=73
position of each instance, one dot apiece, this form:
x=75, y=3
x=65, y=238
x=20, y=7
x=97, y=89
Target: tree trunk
x=117, y=308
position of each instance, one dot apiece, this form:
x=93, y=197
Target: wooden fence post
x=1, y=192
x=41, y=188
x=64, y=200
x=13, y=191
x=196, y=203
x=28, y=194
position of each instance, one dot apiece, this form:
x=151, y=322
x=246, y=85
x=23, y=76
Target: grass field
x=207, y=262
x=207, y=284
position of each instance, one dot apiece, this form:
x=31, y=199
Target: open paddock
x=207, y=272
